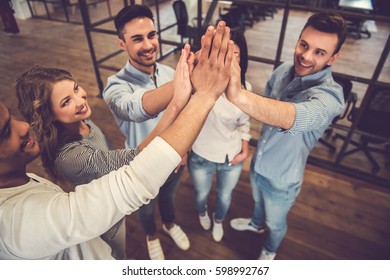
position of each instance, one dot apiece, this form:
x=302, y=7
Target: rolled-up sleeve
x=78, y=160
x=318, y=111
x=125, y=100
x=244, y=127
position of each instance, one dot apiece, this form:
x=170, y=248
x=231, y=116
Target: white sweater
x=40, y=221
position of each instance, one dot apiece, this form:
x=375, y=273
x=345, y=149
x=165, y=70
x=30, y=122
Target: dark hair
x=239, y=39
x=33, y=91
x=127, y=14
x=329, y=23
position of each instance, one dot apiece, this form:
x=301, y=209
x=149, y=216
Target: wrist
x=173, y=109
x=240, y=98
x=205, y=99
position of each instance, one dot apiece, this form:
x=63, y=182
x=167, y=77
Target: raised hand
x=212, y=71
x=181, y=82
x=234, y=86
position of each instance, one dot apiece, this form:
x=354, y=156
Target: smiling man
x=40, y=221
x=17, y=149
x=300, y=101
x=137, y=95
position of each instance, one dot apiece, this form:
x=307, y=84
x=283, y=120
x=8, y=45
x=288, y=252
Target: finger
x=224, y=45
x=198, y=53
x=217, y=41
x=191, y=61
x=187, y=49
x=185, y=61
x=180, y=62
x=206, y=46
x=184, y=55
x=229, y=55
x=236, y=70
x=235, y=65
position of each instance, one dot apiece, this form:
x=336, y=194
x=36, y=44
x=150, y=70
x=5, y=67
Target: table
x=357, y=25
x=365, y=5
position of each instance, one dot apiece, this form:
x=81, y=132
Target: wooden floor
x=335, y=217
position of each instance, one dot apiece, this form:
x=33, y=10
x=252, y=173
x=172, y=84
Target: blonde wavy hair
x=33, y=91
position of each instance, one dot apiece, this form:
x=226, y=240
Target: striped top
x=87, y=157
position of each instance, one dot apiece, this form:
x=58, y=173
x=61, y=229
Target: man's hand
x=234, y=86
x=183, y=163
x=243, y=155
x=212, y=71
x=239, y=158
x=181, y=82
x=210, y=78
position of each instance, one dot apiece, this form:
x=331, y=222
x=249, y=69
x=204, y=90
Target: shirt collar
x=139, y=75
x=313, y=79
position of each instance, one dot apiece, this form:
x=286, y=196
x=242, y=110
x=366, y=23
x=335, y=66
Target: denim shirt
x=123, y=94
x=281, y=154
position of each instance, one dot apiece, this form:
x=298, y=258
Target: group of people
x=198, y=113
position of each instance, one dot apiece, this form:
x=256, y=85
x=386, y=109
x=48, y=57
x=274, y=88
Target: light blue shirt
x=281, y=155
x=123, y=94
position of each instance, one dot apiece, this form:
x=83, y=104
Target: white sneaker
x=217, y=231
x=154, y=249
x=178, y=236
x=242, y=224
x=265, y=255
x=205, y=221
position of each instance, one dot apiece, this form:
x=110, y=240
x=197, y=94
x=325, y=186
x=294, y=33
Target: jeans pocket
x=288, y=190
x=197, y=159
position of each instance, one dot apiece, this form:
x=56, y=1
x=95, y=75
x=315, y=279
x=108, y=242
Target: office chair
x=357, y=27
x=350, y=101
x=239, y=16
x=183, y=29
x=375, y=125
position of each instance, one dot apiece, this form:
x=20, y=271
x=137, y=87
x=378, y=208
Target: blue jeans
x=273, y=201
x=202, y=172
x=166, y=203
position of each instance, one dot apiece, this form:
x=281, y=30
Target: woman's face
x=69, y=102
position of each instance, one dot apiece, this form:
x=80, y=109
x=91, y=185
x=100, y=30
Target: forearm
x=183, y=132
x=80, y=163
x=156, y=100
x=245, y=147
x=266, y=110
x=92, y=208
x=209, y=79
x=166, y=120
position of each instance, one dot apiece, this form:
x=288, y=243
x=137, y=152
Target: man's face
x=17, y=146
x=313, y=51
x=141, y=43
